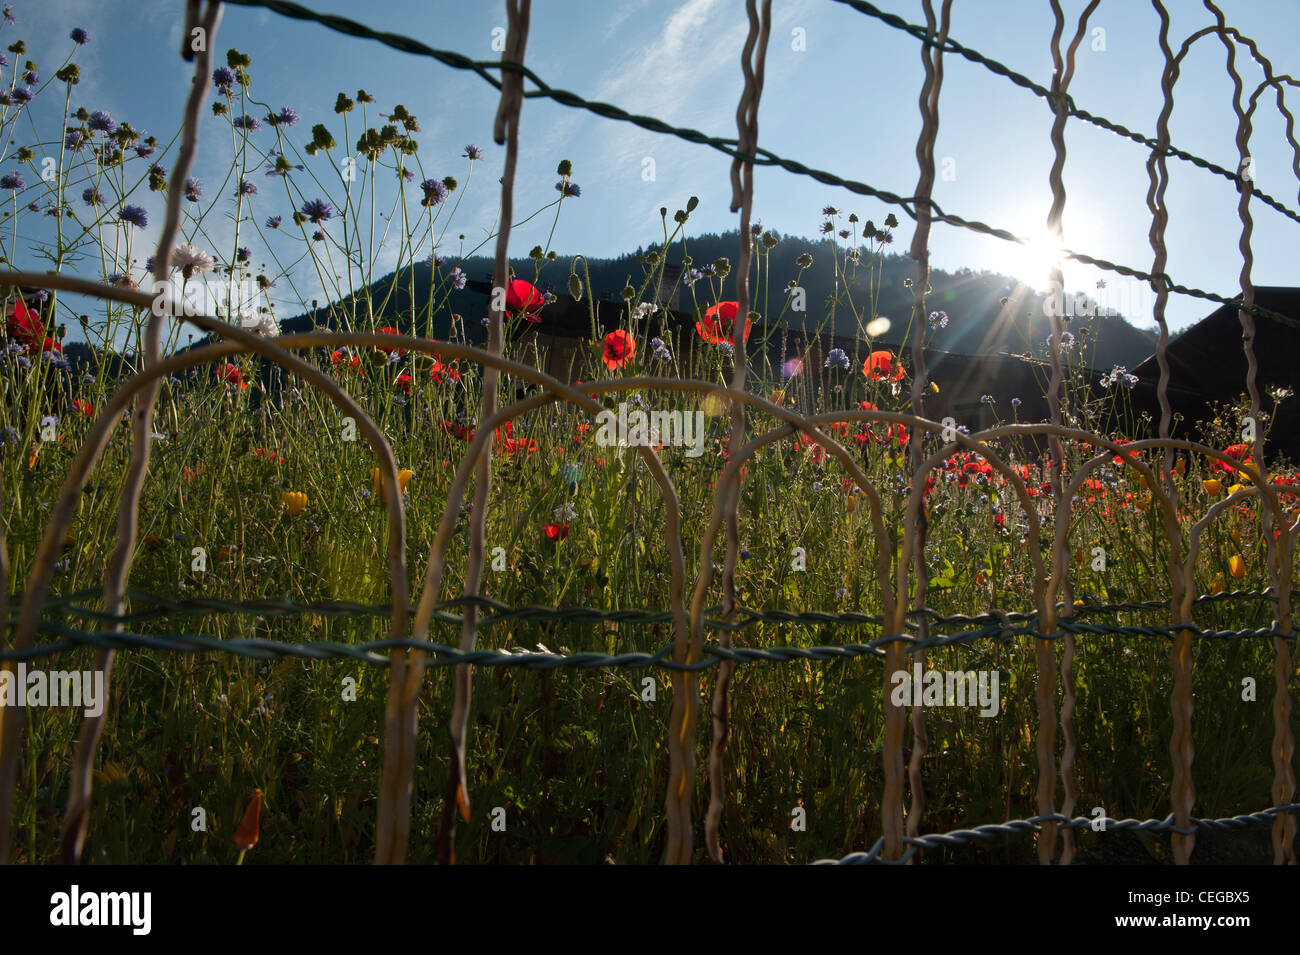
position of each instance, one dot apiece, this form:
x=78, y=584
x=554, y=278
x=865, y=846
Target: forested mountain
x=987, y=312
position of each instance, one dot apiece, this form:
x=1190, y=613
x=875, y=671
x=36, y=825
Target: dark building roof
x=1207, y=365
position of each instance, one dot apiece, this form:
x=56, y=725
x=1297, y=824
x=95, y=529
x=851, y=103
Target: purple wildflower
x=91, y=197
x=75, y=140
x=273, y=222
x=317, y=210
x=250, y=123
x=288, y=116
x=22, y=95
x=569, y=190
x=13, y=180
x=193, y=189
x=79, y=36
x=247, y=188
x=458, y=278
x=473, y=152
x=434, y=192
x=134, y=215
x=224, y=79
x=100, y=121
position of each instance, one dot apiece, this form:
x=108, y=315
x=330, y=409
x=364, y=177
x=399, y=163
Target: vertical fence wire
x=506, y=131
x=728, y=496
x=932, y=61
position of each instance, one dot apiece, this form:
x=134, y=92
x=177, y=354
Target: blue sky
x=846, y=103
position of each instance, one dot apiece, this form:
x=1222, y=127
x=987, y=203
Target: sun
x=1032, y=261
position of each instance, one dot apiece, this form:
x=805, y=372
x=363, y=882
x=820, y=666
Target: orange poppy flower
x=718, y=321
x=247, y=833
x=882, y=366
x=555, y=532
x=620, y=347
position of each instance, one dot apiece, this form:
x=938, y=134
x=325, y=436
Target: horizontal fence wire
x=1014, y=827
x=1002, y=626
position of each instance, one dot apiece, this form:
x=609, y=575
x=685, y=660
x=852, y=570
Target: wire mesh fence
x=907, y=625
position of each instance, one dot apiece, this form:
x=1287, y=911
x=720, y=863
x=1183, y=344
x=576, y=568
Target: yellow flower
x=1237, y=566
x=294, y=502
x=1212, y=486
x=1236, y=487
x=1218, y=586
x=403, y=476
x=778, y=397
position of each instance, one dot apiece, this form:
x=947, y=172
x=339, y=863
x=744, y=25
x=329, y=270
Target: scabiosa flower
x=9, y=13
x=938, y=319
x=473, y=152
x=837, y=356
x=79, y=36
x=13, y=180
x=247, y=188
x=193, y=189
x=242, y=254
x=458, y=278
x=281, y=166
x=986, y=399
x=22, y=95
x=660, y=349
x=75, y=140
x=1016, y=402
x=830, y=211
x=191, y=261
x=434, y=192
x=317, y=210
x=569, y=190
x=288, y=116
x=844, y=234
x=101, y=122
x=273, y=222
x=223, y=78
x=31, y=78
x=250, y=123
x=91, y=197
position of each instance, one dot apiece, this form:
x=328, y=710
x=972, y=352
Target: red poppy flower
x=523, y=297
x=882, y=366
x=555, y=532
x=48, y=345
x=230, y=374
x=247, y=833
x=620, y=347
x=458, y=430
x=24, y=324
x=390, y=330
x=510, y=444
x=344, y=362
x=718, y=322
x=85, y=407
x=441, y=373
x=403, y=383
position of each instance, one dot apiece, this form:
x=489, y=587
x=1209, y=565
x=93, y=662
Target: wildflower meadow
x=264, y=516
